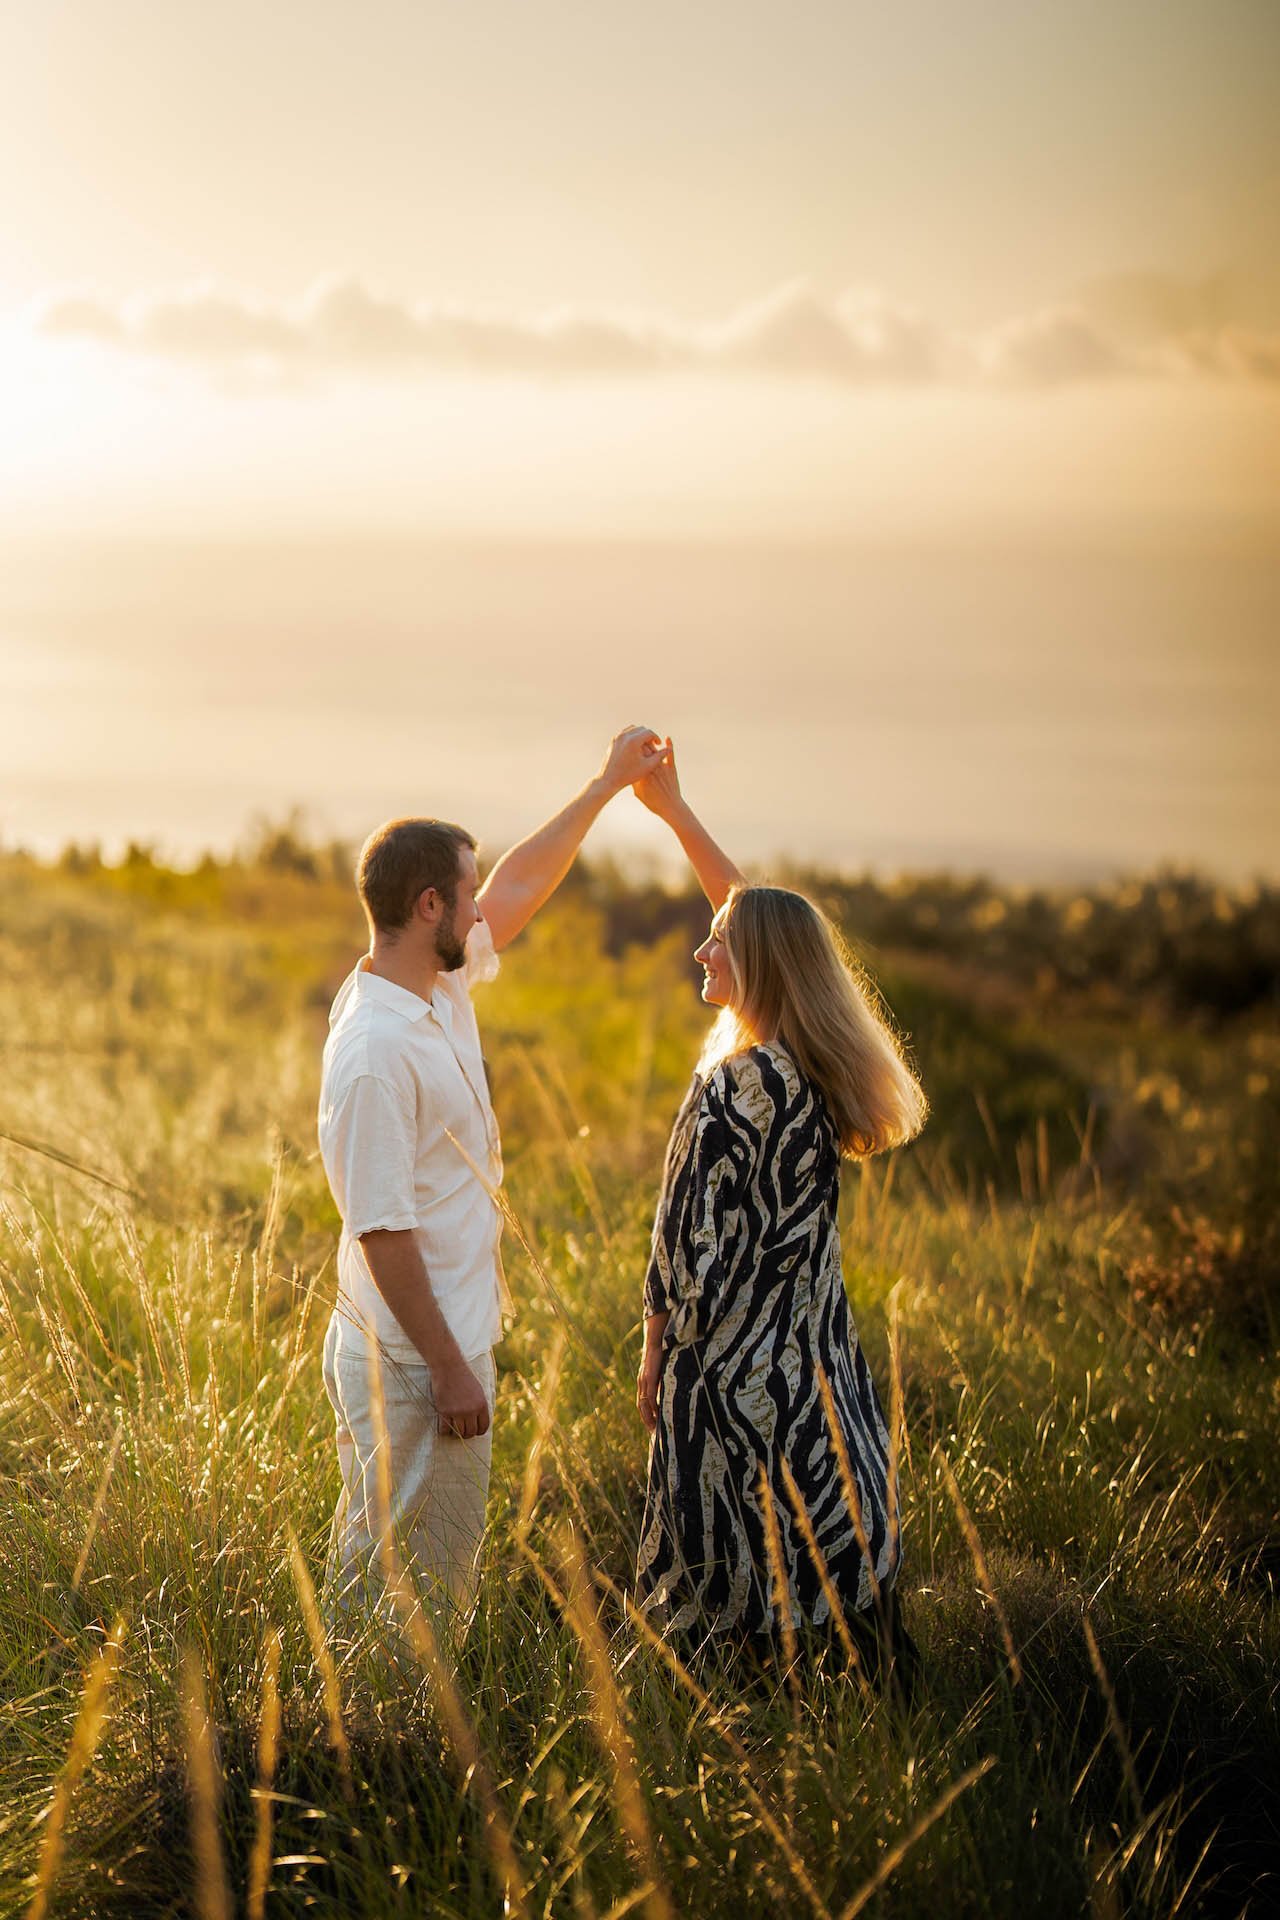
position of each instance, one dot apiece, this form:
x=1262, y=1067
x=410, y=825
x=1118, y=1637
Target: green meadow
x=1067, y=1288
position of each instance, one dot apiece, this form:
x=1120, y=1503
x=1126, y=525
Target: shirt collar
x=372, y=986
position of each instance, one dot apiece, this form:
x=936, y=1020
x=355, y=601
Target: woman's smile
x=716, y=978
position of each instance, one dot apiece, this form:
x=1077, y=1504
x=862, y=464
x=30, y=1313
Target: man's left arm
x=526, y=876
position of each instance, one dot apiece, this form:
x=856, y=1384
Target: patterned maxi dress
x=746, y=1258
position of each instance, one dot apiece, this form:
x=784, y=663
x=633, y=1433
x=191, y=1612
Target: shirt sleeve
x=699, y=1222
x=371, y=1149
x=482, y=956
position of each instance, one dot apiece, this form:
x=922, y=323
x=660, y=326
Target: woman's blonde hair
x=796, y=983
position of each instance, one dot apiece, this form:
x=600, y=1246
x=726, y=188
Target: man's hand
x=632, y=755
x=659, y=790
x=462, y=1412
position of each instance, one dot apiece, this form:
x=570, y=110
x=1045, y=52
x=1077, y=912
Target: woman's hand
x=649, y=1377
x=660, y=788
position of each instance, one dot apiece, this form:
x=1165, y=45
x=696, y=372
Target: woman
x=749, y=1348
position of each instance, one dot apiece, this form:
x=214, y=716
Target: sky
x=929, y=292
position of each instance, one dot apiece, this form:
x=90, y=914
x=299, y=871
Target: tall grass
x=1087, y=1478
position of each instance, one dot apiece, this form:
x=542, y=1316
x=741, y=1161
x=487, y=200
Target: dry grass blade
x=298, y=1347
x=541, y=1434
x=273, y=1217
x=551, y=1293
x=988, y=1124
x=426, y=1647
x=781, y=1584
x=899, y=1438
x=268, y=1747
x=99, y=1502
x=59, y=1343
x=84, y=1744
x=82, y=1299
x=979, y=1559
x=1028, y=1271
x=848, y=1484
x=1104, y=1896
x=204, y=1785
x=570, y=1137
x=138, y=1261
x=388, y=1556
x=609, y=1719
x=1114, y=1720
x=702, y=1699
x=323, y=1657
x=44, y=1151
x=464, y=1741
x=896, y=1855
x=825, y=1581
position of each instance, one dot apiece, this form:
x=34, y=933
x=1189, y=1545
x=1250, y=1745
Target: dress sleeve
x=698, y=1225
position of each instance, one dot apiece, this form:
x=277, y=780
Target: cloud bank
x=1143, y=326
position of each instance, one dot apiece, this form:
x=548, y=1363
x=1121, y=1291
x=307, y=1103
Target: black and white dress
x=746, y=1259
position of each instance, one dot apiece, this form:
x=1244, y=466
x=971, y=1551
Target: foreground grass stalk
x=99, y=1502
x=84, y=1744
x=702, y=1699
x=825, y=1581
x=137, y=1259
x=551, y=1293
x=323, y=1658
x=1114, y=1721
x=849, y=1485
x=781, y=1584
x=268, y=1747
x=411, y=1614
x=897, y=1854
x=899, y=1438
x=609, y=1718
x=204, y=1783
x=465, y=1743
x=541, y=1434
x=974, y=1544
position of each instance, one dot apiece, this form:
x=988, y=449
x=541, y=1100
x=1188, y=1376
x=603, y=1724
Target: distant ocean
x=1059, y=712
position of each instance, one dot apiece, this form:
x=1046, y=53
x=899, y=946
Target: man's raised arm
x=526, y=876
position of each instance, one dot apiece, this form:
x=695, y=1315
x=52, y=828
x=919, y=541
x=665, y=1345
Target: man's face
x=453, y=928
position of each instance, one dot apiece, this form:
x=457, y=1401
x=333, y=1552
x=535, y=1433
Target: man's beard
x=450, y=951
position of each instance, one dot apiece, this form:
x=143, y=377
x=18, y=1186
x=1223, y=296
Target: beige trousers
x=438, y=1484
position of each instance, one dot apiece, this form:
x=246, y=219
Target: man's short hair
x=400, y=861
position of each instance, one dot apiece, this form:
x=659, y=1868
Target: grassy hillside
x=1070, y=1283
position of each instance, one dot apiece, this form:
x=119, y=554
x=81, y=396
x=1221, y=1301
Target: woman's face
x=717, y=980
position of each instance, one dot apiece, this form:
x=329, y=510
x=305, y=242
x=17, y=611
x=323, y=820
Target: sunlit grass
x=1088, y=1484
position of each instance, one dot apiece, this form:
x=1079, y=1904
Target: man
x=412, y=1152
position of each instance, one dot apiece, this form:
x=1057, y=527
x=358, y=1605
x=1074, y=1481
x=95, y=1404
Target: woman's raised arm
x=660, y=792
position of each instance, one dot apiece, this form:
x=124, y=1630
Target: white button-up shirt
x=401, y=1076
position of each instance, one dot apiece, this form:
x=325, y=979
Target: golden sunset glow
x=998, y=293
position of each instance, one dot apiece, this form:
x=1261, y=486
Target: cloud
x=1158, y=327
x=859, y=336
x=1055, y=348
x=1152, y=306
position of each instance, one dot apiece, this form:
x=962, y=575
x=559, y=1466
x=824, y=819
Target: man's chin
x=453, y=961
